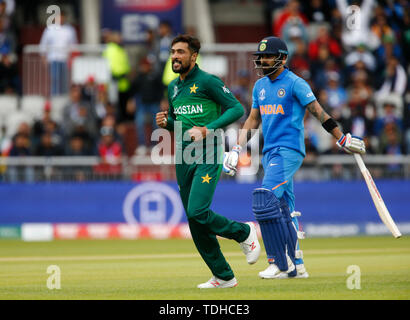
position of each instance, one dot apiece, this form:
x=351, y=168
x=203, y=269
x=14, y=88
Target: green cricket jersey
x=197, y=101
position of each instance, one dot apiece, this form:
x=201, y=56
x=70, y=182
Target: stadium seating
x=57, y=106
x=14, y=120
x=8, y=105
x=33, y=106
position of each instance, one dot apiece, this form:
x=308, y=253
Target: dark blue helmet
x=272, y=45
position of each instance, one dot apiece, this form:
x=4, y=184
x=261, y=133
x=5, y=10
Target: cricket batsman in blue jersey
x=280, y=99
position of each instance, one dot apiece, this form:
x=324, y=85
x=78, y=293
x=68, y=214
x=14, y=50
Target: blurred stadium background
x=77, y=105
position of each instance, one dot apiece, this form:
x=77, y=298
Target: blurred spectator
x=389, y=48
x=79, y=117
x=395, y=79
x=325, y=39
x=390, y=144
x=110, y=152
x=146, y=88
x=353, y=33
x=77, y=147
x=390, y=139
x=9, y=76
x=47, y=147
x=165, y=40
x=290, y=14
x=380, y=27
x=118, y=60
x=361, y=54
x=243, y=92
x=21, y=147
x=405, y=38
x=299, y=62
x=109, y=149
x=6, y=45
x=89, y=90
x=389, y=116
x=317, y=11
x=336, y=94
x=55, y=45
x=47, y=125
x=102, y=107
x=292, y=35
x=360, y=92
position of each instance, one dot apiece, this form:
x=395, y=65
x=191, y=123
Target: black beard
x=267, y=71
x=182, y=70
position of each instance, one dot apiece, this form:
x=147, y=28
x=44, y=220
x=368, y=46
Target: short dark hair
x=193, y=43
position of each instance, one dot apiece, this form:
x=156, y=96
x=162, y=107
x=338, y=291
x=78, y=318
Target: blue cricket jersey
x=282, y=104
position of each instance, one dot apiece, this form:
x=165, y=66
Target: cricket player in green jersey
x=195, y=102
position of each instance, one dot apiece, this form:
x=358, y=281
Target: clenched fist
x=162, y=119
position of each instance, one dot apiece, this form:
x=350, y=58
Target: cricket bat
x=377, y=198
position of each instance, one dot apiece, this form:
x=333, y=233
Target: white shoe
x=251, y=247
x=214, y=282
x=273, y=272
x=301, y=272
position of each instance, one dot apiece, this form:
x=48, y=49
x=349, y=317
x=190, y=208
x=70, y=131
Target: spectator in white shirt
x=55, y=45
x=357, y=24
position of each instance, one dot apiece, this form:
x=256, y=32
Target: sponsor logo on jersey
x=175, y=92
x=310, y=94
x=226, y=90
x=281, y=93
x=271, y=109
x=189, y=109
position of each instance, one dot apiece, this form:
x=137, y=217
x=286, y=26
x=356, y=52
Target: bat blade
x=377, y=198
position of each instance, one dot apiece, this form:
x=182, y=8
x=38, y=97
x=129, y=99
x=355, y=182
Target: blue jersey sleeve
x=302, y=92
x=255, y=103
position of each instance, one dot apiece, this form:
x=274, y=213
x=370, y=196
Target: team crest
x=281, y=93
x=262, y=94
x=262, y=46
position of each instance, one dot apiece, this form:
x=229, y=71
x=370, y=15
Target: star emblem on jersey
x=206, y=179
x=281, y=93
x=193, y=88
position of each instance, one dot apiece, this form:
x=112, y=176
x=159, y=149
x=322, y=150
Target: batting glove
x=351, y=144
x=231, y=160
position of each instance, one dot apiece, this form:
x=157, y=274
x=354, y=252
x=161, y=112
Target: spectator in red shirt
x=110, y=152
x=109, y=149
x=324, y=39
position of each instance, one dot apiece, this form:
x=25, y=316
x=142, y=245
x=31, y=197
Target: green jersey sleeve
x=171, y=115
x=220, y=93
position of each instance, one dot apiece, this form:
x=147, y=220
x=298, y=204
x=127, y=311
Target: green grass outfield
x=171, y=269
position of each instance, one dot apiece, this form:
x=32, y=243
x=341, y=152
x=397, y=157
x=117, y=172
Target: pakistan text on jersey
x=271, y=109
x=189, y=109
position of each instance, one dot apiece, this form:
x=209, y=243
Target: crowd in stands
x=359, y=75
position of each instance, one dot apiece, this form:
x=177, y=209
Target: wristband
x=329, y=125
x=342, y=140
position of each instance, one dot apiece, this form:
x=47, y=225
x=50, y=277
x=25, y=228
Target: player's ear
x=194, y=56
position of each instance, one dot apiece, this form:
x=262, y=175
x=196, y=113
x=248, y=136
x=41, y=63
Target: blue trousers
x=280, y=165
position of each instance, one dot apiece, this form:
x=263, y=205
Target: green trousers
x=197, y=183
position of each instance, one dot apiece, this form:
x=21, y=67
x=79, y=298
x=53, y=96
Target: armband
x=329, y=125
